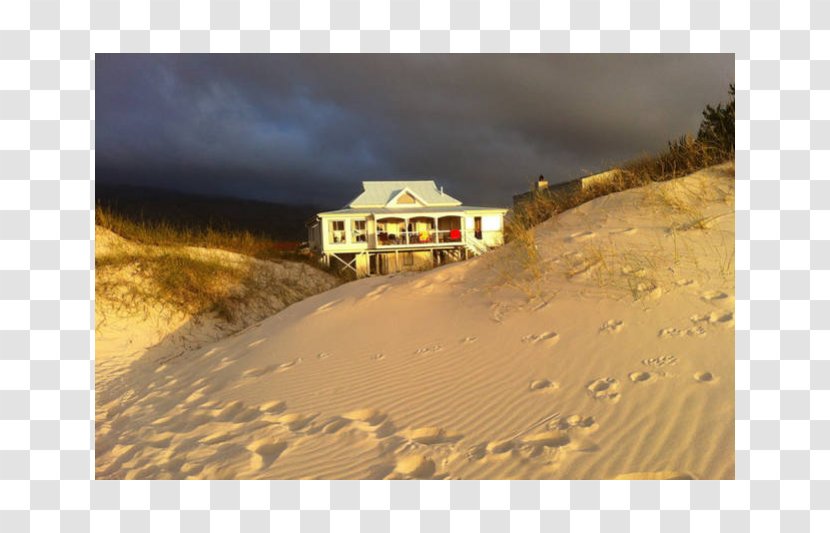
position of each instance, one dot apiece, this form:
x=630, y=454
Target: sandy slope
x=156, y=330
x=617, y=361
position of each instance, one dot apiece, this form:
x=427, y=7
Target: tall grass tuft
x=166, y=234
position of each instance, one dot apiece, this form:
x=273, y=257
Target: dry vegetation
x=681, y=158
x=224, y=274
x=623, y=269
x=654, y=266
x=166, y=234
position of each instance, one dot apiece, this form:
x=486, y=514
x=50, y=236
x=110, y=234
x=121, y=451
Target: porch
x=419, y=231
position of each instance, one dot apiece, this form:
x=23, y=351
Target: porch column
x=435, y=229
x=406, y=229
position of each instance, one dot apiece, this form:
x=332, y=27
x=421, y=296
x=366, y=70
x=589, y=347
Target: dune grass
x=166, y=234
x=173, y=278
x=163, y=265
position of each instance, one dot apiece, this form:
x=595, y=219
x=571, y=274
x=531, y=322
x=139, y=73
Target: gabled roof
x=381, y=193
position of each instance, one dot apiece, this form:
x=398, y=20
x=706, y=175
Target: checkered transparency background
x=47, y=125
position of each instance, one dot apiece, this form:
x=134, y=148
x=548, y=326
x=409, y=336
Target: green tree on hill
x=718, y=127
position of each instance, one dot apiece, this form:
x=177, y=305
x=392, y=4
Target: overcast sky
x=310, y=128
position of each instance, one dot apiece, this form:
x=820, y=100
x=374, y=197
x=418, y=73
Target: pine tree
x=717, y=130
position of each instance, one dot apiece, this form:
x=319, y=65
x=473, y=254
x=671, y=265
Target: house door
x=477, y=227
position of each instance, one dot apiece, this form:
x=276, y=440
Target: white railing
x=419, y=238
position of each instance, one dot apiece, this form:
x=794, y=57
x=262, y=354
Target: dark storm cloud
x=309, y=128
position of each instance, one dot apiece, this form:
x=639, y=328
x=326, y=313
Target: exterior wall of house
x=492, y=228
x=314, y=237
x=600, y=178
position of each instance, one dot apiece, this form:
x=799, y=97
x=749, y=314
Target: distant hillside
x=196, y=212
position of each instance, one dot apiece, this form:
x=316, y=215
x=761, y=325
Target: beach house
x=394, y=226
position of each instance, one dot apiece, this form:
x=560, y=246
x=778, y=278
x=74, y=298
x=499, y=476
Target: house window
x=359, y=231
x=408, y=260
x=337, y=232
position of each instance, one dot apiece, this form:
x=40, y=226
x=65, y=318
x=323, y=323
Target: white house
x=403, y=225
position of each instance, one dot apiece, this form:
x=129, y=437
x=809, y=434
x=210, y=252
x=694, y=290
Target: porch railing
x=410, y=238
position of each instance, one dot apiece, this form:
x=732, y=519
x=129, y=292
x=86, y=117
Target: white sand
x=151, y=331
x=617, y=362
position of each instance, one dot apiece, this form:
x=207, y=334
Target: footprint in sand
x=604, y=389
x=549, y=338
x=660, y=361
x=415, y=466
x=581, y=236
x=323, y=355
x=626, y=231
x=377, y=291
x=640, y=377
x=216, y=437
x=430, y=435
x=697, y=331
x=295, y=421
x=543, y=385
x=611, y=326
x=498, y=447
x=654, y=476
x=197, y=396
x=468, y=340
x=223, y=363
x=429, y=349
x=685, y=282
x=256, y=372
x=575, y=422
x=288, y=365
x=713, y=317
x=230, y=411
x=548, y=439
x=476, y=452
x=334, y=424
x=705, y=377
x=714, y=296
x=369, y=416
x=265, y=451
x=649, y=291
x=273, y=407
x=257, y=342
x=327, y=306
x=377, y=357
x=160, y=440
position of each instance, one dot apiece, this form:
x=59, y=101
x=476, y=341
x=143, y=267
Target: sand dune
x=617, y=361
